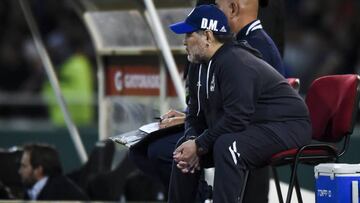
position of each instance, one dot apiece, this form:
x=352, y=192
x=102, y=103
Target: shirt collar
x=254, y=25
x=36, y=189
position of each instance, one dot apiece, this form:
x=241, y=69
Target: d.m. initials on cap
x=209, y=24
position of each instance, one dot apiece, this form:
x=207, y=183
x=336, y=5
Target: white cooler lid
x=336, y=168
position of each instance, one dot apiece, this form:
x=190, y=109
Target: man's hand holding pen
x=171, y=118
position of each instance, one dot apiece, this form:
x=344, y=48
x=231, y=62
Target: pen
x=158, y=118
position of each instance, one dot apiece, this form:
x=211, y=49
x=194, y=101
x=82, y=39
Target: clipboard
x=145, y=134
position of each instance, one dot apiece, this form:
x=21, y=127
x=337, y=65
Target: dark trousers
x=257, y=186
x=232, y=154
x=228, y=178
x=155, y=159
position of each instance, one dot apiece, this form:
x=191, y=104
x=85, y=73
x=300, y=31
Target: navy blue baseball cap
x=204, y=17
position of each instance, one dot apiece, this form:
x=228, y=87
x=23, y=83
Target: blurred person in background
x=41, y=173
x=21, y=71
x=74, y=71
x=65, y=38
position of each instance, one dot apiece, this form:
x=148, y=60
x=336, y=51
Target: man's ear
x=209, y=36
x=234, y=9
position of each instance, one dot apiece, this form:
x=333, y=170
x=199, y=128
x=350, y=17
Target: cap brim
x=182, y=28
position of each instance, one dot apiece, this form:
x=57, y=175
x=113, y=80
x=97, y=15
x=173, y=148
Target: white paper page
x=149, y=128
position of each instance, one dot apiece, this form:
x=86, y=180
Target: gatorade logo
x=209, y=24
x=118, y=81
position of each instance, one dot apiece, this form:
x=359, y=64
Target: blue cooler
x=337, y=183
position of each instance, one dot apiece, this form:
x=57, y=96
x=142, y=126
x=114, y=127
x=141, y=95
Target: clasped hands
x=186, y=158
x=185, y=155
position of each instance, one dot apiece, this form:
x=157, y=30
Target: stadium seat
x=99, y=161
x=333, y=104
x=9, y=175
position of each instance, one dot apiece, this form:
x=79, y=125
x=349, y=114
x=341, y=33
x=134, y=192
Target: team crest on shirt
x=212, y=84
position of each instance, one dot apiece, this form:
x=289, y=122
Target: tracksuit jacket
x=233, y=92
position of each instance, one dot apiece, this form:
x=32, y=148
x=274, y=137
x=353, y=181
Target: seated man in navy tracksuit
x=155, y=159
x=241, y=110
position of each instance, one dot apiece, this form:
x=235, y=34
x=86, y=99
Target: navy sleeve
x=272, y=57
x=266, y=46
x=194, y=121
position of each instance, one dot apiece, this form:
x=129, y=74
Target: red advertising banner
x=135, y=80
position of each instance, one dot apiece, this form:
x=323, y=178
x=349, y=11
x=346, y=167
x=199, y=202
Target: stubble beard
x=197, y=56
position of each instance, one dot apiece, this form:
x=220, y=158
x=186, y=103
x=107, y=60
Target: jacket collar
x=254, y=25
x=37, y=188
